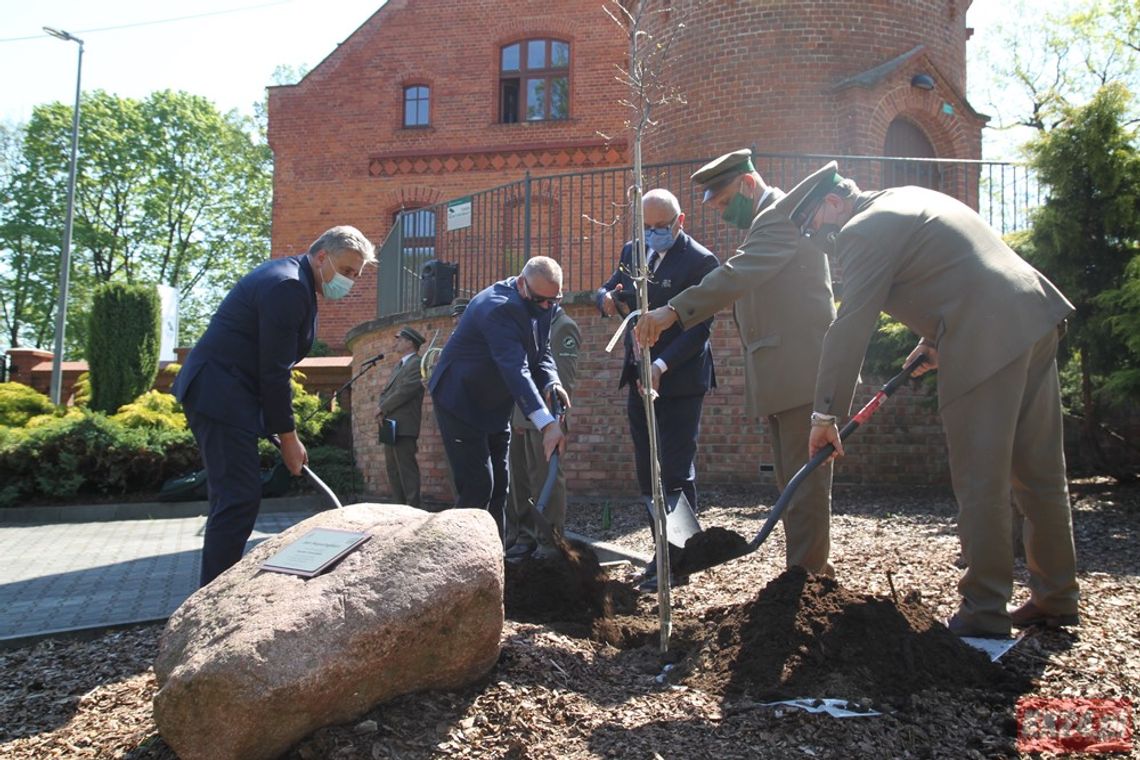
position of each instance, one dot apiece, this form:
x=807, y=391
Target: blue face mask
x=659, y=239
x=337, y=287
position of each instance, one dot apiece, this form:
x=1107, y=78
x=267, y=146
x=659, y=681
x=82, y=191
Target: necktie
x=652, y=263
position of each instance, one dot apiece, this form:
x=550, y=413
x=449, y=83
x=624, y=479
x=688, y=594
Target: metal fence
x=582, y=219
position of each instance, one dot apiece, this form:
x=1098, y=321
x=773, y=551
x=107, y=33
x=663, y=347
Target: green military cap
x=411, y=334
x=804, y=198
x=716, y=174
x=458, y=306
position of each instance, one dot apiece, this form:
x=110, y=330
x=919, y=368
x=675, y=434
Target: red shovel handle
x=823, y=454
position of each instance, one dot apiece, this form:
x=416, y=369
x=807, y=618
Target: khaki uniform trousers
x=807, y=520
x=403, y=470
x=1006, y=434
x=528, y=467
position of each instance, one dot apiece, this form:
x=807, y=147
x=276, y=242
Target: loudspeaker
x=438, y=283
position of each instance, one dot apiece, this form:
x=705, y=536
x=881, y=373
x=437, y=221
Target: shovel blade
x=680, y=522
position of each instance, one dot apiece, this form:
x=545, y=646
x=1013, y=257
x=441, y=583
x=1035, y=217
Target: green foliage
x=890, y=344
x=153, y=409
x=82, y=392
x=124, y=341
x=90, y=454
x=334, y=466
x=168, y=191
x=1086, y=236
x=19, y=403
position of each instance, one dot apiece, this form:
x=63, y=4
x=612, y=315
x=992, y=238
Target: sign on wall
x=459, y=214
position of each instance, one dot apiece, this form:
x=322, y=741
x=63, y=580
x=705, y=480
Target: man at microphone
x=234, y=386
x=399, y=414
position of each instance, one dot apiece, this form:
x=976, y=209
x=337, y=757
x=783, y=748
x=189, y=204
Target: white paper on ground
x=994, y=648
x=836, y=708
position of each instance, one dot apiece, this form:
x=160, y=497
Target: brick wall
x=799, y=76
x=903, y=443
x=342, y=155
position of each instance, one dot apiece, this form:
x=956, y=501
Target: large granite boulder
x=257, y=660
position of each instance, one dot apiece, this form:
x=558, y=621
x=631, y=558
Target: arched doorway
x=906, y=140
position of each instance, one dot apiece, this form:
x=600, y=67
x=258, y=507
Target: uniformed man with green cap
x=780, y=289
x=401, y=404
x=989, y=323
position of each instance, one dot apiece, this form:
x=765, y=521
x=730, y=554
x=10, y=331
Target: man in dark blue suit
x=682, y=370
x=234, y=386
x=498, y=356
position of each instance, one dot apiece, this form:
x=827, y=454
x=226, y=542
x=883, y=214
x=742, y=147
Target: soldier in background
x=528, y=465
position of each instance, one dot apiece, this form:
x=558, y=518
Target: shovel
x=707, y=550
x=312, y=476
x=542, y=526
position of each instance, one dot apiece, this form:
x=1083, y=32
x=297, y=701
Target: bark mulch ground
x=581, y=673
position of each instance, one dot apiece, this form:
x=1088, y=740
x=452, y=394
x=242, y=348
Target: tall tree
x=168, y=191
x=28, y=253
x=1088, y=231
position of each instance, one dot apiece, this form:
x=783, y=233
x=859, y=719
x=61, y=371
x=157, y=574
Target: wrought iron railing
x=582, y=219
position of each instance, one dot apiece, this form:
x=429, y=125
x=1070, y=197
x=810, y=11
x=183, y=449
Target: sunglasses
x=553, y=300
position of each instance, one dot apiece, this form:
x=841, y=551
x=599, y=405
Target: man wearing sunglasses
x=498, y=356
x=682, y=371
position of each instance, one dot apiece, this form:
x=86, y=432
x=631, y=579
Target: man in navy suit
x=234, y=386
x=498, y=356
x=682, y=370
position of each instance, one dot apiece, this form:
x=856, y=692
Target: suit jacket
x=932, y=263
x=685, y=351
x=403, y=397
x=239, y=371
x=499, y=355
x=780, y=288
x=565, y=338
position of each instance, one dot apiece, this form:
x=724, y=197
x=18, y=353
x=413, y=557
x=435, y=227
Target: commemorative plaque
x=314, y=552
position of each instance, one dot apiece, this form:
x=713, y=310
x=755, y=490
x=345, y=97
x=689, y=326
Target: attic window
x=417, y=106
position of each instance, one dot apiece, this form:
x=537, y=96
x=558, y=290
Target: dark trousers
x=678, y=424
x=233, y=475
x=478, y=463
x=403, y=470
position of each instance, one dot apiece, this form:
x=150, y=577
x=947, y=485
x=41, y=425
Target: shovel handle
x=552, y=469
x=312, y=476
x=825, y=453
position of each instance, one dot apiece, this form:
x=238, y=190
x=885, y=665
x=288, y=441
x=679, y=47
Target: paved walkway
x=66, y=577
x=114, y=569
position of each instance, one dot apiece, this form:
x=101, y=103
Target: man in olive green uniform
x=402, y=400
x=528, y=464
x=782, y=306
x=989, y=322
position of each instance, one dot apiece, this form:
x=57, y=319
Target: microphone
x=374, y=360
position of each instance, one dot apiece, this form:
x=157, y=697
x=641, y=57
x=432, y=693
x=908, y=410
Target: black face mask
x=534, y=309
x=824, y=238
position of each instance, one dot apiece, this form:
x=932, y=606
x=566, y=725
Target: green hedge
x=123, y=344
x=51, y=454
x=19, y=403
x=91, y=454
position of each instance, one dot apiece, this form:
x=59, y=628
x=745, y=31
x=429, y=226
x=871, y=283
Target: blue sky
x=225, y=50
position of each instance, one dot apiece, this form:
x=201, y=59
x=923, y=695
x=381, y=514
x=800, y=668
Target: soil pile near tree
x=806, y=636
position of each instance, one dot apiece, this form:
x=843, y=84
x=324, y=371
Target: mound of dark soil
x=805, y=636
x=571, y=587
x=707, y=549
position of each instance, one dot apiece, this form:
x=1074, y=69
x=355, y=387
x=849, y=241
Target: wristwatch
x=819, y=419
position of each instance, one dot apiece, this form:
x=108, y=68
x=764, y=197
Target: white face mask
x=337, y=287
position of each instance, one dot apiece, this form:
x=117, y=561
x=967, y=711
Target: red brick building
x=430, y=101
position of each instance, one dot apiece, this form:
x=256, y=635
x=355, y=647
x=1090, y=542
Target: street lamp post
x=65, y=256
